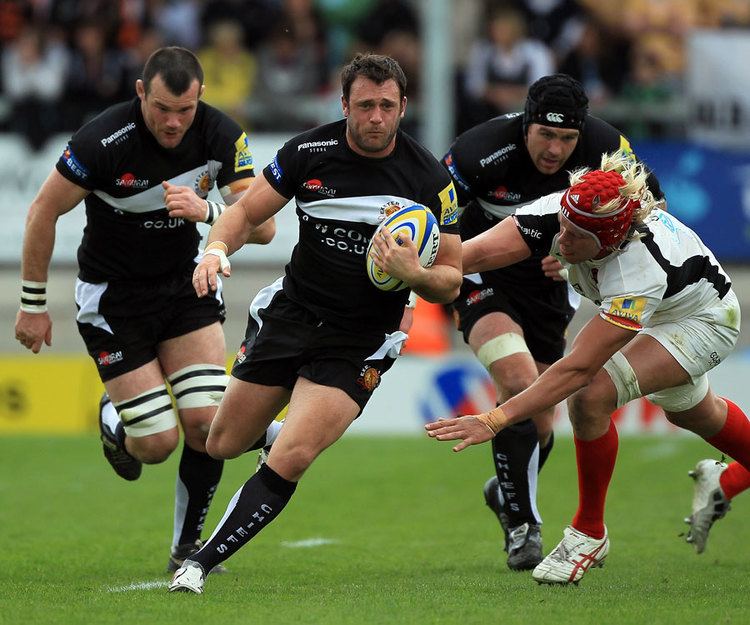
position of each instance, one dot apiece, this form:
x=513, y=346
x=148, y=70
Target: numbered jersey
x=341, y=197
x=666, y=275
x=129, y=234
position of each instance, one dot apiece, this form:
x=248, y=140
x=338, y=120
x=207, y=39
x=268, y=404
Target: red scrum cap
x=598, y=188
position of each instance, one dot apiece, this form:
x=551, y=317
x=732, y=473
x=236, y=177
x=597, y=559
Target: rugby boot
x=127, y=467
x=190, y=577
x=709, y=502
x=181, y=553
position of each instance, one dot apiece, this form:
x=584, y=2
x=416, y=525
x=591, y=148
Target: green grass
x=414, y=542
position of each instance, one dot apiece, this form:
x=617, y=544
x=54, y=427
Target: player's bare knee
x=155, y=448
x=223, y=447
x=591, y=405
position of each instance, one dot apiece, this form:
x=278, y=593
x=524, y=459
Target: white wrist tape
x=223, y=260
x=213, y=210
x=412, y=303
x=33, y=296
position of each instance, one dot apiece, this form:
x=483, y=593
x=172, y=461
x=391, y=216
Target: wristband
x=33, y=296
x=213, y=210
x=412, y=303
x=495, y=419
x=217, y=245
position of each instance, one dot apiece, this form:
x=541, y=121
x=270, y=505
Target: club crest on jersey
x=203, y=183
x=130, y=181
x=388, y=209
x=369, y=378
x=317, y=186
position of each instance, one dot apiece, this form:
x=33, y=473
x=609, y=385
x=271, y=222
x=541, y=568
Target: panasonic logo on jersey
x=317, y=146
x=117, y=134
x=500, y=154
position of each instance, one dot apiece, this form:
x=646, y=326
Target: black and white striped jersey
x=129, y=234
x=667, y=275
x=341, y=197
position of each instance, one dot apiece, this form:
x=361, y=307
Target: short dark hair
x=556, y=100
x=178, y=68
x=376, y=67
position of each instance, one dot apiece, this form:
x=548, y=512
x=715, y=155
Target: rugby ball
x=421, y=226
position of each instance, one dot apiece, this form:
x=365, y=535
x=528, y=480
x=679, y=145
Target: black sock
x=258, y=502
x=197, y=479
x=544, y=452
x=513, y=451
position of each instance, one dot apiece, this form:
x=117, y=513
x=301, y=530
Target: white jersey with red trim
x=666, y=275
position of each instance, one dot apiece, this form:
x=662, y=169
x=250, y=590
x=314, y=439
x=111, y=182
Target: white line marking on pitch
x=308, y=542
x=139, y=586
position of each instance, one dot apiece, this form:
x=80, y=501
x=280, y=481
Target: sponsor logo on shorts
x=369, y=378
x=714, y=359
x=317, y=146
x=131, y=182
x=241, y=356
x=318, y=187
x=73, y=164
x=477, y=296
x=117, y=134
x=500, y=155
x=109, y=358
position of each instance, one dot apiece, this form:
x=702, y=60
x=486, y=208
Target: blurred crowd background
x=273, y=64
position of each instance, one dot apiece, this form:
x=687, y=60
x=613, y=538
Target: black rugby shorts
x=285, y=341
x=122, y=323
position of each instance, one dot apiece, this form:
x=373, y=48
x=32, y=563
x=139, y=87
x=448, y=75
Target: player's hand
x=468, y=428
x=183, y=202
x=204, y=276
x=398, y=259
x=553, y=268
x=33, y=330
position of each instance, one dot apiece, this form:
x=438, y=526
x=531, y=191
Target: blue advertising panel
x=708, y=190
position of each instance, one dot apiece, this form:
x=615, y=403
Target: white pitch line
x=139, y=586
x=308, y=542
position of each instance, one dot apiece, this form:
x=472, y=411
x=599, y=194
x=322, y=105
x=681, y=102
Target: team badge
x=369, y=378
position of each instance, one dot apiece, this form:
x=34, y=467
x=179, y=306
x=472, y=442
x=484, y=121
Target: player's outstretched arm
x=57, y=196
x=500, y=246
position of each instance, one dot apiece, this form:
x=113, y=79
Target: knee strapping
x=198, y=386
x=624, y=379
x=148, y=413
x=500, y=347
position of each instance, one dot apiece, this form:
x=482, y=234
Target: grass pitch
x=381, y=530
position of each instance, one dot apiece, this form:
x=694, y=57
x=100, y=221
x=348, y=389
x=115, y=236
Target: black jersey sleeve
x=281, y=173
x=464, y=193
x=230, y=146
x=538, y=222
x=81, y=160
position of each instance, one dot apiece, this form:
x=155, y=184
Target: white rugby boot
x=709, y=502
x=190, y=577
x=574, y=555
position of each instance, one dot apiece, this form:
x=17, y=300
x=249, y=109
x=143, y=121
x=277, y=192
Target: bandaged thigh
x=198, y=386
x=149, y=413
x=624, y=378
x=501, y=347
